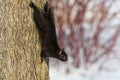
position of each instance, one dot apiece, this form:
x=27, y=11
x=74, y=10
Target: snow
x=109, y=69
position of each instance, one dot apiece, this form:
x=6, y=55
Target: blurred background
x=89, y=31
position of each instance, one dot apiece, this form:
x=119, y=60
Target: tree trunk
x=19, y=42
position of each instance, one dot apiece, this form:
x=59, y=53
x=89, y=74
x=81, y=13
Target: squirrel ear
x=60, y=52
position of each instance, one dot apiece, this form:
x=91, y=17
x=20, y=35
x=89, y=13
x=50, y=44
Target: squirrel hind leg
x=31, y=4
x=46, y=6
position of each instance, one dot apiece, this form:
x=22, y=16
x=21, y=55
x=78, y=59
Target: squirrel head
x=62, y=55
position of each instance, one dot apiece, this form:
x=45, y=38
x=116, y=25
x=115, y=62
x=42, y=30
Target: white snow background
x=110, y=69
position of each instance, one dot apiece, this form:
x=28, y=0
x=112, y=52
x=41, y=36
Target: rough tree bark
x=19, y=42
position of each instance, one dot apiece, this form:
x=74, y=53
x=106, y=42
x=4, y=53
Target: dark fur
x=44, y=21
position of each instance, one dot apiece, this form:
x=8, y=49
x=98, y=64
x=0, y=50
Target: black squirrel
x=44, y=21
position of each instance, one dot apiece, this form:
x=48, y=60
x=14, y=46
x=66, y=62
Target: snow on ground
x=109, y=70
x=106, y=69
